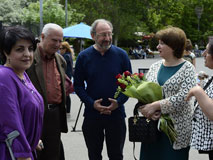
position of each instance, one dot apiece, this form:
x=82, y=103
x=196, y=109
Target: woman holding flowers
x=176, y=76
x=202, y=123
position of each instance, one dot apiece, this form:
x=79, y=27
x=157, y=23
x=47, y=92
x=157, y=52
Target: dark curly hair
x=10, y=35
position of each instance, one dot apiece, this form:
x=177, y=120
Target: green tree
x=53, y=12
x=123, y=14
x=11, y=11
x=127, y=16
x=180, y=13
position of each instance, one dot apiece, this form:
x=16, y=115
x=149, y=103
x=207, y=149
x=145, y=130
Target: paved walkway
x=74, y=145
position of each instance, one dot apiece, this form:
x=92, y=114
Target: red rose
x=118, y=83
x=123, y=86
x=127, y=73
x=118, y=76
x=141, y=75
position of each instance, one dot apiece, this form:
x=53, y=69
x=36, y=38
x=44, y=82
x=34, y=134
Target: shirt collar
x=44, y=54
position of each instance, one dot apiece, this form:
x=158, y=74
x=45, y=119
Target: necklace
x=35, y=95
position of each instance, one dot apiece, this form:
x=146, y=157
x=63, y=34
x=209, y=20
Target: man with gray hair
x=104, y=116
x=47, y=73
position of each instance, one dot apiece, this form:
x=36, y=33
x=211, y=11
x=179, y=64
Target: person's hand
x=100, y=108
x=113, y=104
x=40, y=145
x=156, y=116
x=149, y=110
x=192, y=92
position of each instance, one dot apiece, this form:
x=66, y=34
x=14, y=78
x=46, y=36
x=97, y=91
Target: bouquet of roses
x=136, y=86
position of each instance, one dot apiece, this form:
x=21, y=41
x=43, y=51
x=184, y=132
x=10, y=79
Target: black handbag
x=142, y=129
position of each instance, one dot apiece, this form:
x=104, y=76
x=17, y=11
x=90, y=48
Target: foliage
x=190, y=21
x=127, y=16
x=148, y=16
x=11, y=11
x=180, y=13
x=53, y=12
x=123, y=14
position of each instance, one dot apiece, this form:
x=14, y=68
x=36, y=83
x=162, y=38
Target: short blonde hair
x=66, y=45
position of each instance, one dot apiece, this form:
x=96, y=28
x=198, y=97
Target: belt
x=52, y=106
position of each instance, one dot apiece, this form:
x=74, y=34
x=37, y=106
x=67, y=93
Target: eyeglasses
x=61, y=48
x=105, y=34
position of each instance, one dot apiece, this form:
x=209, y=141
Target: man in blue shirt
x=104, y=116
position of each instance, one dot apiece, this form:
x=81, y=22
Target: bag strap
x=208, y=83
x=134, y=151
x=135, y=111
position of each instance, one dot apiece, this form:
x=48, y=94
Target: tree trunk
x=115, y=41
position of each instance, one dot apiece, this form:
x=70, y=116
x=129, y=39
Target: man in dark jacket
x=47, y=73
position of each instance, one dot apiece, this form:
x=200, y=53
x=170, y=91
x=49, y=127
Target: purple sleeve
x=11, y=119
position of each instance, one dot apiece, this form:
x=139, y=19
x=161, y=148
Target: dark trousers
x=62, y=157
x=112, y=130
x=211, y=156
x=51, y=136
x=68, y=104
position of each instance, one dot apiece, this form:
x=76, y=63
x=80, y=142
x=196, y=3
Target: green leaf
x=150, y=92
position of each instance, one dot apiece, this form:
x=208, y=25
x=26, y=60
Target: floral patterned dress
x=202, y=127
x=175, y=88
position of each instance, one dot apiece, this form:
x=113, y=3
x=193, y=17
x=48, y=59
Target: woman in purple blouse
x=21, y=106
